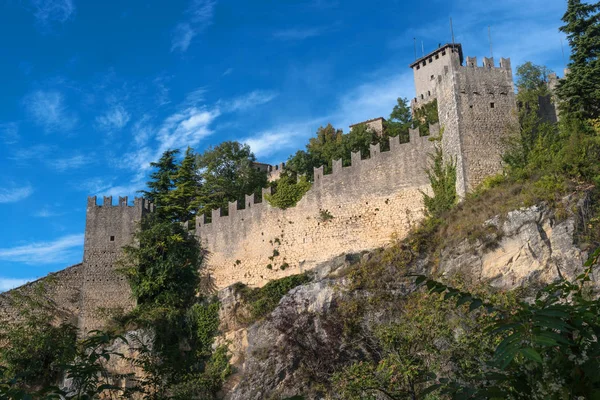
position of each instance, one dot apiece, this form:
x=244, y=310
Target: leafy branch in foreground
x=548, y=348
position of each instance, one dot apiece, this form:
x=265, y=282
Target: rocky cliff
x=305, y=338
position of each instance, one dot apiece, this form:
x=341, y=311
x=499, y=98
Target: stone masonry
x=354, y=208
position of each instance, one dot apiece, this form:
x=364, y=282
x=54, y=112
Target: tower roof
x=455, y=46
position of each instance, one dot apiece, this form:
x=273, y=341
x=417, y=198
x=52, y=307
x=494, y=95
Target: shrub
x=287, y=192
x=325, y=215
x=261, y=301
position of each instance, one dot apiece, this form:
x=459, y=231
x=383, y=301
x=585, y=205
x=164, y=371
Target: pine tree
x=580, y=90
x=161, y=180
x=183, y=199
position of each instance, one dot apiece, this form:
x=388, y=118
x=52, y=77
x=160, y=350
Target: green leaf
x=420, y=279
x=475, y=304
x=463, y=299
x=531, y=354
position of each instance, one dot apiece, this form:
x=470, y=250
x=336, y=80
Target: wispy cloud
x=47, y=11
x=227, y=71
x=247, y=101
x=284, y=137
x=114, y=119
x=46, y=213
x=299, y=33
x=60, y=250
x=48, y=109
x=9, y=132
x=199, y=16
x=14, y=194
x=69, y=163
x=374, y=97
x=11, y=283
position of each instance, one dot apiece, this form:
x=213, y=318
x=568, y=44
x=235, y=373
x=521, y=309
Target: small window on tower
x=437, y=56
x=432, y=77
x=443, y=53
x=492, y=105
x=112, y=238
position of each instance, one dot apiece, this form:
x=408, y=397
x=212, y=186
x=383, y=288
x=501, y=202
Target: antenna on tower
x=562, y=48
x=452, y=32
x=490, y=37
x=422, y=48
x=415, y=43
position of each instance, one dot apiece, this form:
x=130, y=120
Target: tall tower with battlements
x=108, y=228
x=476, y=106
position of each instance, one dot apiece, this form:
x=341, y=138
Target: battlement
x=488, y=63
x=397, y=153
x=107, y=201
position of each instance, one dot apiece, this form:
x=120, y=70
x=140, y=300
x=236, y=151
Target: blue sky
x=92, y=91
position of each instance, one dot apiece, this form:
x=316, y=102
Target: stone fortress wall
x=352, y=209
x=355, y=208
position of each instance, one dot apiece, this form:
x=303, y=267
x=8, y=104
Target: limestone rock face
x=302, y=339
x=534, y=246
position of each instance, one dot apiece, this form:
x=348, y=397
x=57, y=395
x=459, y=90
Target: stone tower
x=108, y=228
x=476, y=106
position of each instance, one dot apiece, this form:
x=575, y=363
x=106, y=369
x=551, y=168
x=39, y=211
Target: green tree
x=442, y=177
x=579, y=91
x=227, y=173
x=163, y=266
x=161, y=180
x=400, y=120
x=288, y=191
x=40, y=341
x=182, y=201
x=533, y=78
x=535, y=136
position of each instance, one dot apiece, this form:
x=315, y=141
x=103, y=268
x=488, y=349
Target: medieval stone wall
x=355, y=208
x=108, y=228
x=63, y=287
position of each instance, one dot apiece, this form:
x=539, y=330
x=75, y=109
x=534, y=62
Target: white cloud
x=14, y=194
x=114, y=119
x=64, y=164
x=60, y=250
x=11, y=283
x=376, y=97
x=46, y=213
x=46, y=11
x=9, y=132
x=48, y=109
x=286, y=137
x=250, y=100
x=299, y=33
x=200, y=15
x=227, y=71
x=372, y=99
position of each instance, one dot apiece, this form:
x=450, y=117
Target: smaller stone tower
x=108, y=228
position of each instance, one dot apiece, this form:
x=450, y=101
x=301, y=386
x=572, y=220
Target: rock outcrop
x=282, y=355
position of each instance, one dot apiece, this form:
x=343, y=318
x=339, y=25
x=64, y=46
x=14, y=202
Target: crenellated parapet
x=107, y=201
x=413, y=152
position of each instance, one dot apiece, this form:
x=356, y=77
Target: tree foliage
x=183, y=200
x=227, y=173
x=288, y=191
x=161, y=180
x=163, y=266
x=442, y=177
x=40, y=341
x=580, y=90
